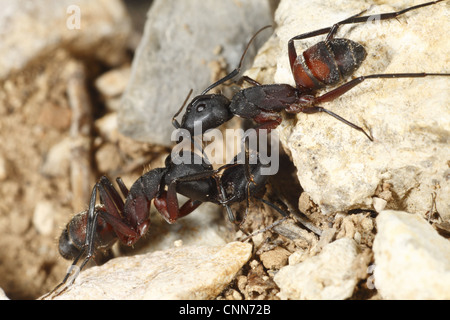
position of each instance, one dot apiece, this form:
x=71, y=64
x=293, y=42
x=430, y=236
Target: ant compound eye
x=201, y=107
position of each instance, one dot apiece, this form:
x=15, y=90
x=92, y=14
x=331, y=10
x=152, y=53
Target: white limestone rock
x=412, y=261
x=180, y=273
x=329, y=275
x=3, y=295
x=409, y=119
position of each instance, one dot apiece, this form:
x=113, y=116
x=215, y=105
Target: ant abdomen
x=327, y=63
x=73, y=236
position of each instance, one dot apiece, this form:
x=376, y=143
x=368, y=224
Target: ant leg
x=273, y=206
x=383, y=16
x=330, y=30
x=249, y=80
x=225, y=201
x=114, y=212
x=91, y=227
x=167, y=202
x=339, y=91
x=336, y=26
x=88, y=243
x=249, y=177
x=386, y=16
x=315, y=109
x=169, y=208
x=267, y=120
x=110, y=197
x=73, y=266
x=353, y=19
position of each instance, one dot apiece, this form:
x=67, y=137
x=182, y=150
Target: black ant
x=99, y=227
x=324, y=64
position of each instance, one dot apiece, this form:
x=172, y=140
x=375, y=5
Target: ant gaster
x=326, y=63
x=99, y=227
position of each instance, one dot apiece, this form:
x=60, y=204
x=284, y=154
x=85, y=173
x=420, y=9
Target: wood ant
x=324, y=64
x=99, y=227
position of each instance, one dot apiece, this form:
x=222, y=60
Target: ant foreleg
x=115, y=215
x=336, y=26
x=167, y=205
x=385, y=16
x=267, y=120
x=88, y=244
x=221, y=191
x=110, y=197
x=249, y=177
x=123, y=188
x=249, y=80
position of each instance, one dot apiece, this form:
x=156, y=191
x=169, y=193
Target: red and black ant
x=324, y=64
x=99, y=227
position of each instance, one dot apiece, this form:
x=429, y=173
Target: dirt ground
x=47, y=166
x=48, y=162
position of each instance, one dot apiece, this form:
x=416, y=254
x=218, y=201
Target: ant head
x=207, y=111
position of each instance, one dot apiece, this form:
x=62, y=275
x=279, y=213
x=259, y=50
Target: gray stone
x=412, y=261
x=409, y=118
x=178, y=273
x=180, y=39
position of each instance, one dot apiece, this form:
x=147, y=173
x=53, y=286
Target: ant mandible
x=324, y=64
x=99, y=227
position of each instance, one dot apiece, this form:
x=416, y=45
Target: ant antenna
x=175, y=123
x=236, y=71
